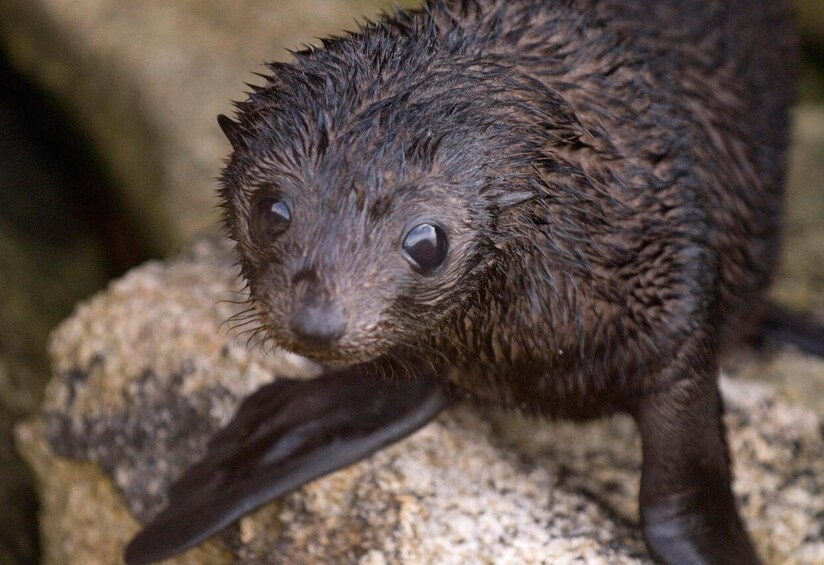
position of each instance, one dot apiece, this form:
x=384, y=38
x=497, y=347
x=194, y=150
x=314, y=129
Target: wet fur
x=609, y=174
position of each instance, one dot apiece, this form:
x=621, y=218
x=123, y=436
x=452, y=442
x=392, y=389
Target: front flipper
x=283, y=436
x=687, y=506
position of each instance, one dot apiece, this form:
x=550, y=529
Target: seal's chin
x=333, y=356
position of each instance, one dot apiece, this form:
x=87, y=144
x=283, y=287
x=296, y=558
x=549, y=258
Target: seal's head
x=365, y=190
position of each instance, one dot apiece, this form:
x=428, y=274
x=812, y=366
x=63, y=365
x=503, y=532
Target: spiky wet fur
x=608, y=173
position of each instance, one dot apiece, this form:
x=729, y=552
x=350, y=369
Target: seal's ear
x=231, y=130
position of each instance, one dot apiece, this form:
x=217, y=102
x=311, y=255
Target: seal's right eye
x=269, y=218
x=425, y=246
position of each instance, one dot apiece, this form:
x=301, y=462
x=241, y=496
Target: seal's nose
x=319, y=324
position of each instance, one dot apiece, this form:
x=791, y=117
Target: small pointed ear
x=514, y=198
x=231, y=130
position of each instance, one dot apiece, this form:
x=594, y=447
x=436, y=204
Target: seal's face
x=342, y=267
x=364, y=192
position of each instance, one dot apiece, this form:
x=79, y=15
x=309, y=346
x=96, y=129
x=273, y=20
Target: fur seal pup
x=569, y=207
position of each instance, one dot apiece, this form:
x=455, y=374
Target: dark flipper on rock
x=283, y=436
x=784, y=326
x=688, y=510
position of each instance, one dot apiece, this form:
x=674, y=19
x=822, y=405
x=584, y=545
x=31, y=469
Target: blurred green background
x=109, y=149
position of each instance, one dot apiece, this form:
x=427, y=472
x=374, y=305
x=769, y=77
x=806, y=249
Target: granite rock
x=143, y=376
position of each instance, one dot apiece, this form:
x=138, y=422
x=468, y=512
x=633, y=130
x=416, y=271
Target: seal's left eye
x=425, y=247
x=269, y=218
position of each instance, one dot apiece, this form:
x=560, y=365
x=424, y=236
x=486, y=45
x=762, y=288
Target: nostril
x=318, y=324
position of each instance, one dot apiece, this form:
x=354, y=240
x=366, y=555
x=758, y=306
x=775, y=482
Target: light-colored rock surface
x=157, y=368
x=145, y=80
x=140, y=401
x=83, y=519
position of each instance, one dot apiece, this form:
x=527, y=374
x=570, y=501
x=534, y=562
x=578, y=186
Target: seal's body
x=658, y=146
x=568, y=207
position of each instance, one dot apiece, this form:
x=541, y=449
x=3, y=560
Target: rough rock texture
x=145, y=81
x=143, y=376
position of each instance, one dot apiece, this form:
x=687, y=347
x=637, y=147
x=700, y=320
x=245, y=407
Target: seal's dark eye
x=425, y=247
x=269, y=218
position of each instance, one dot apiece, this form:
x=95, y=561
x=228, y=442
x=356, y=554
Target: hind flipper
x=283, y=436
